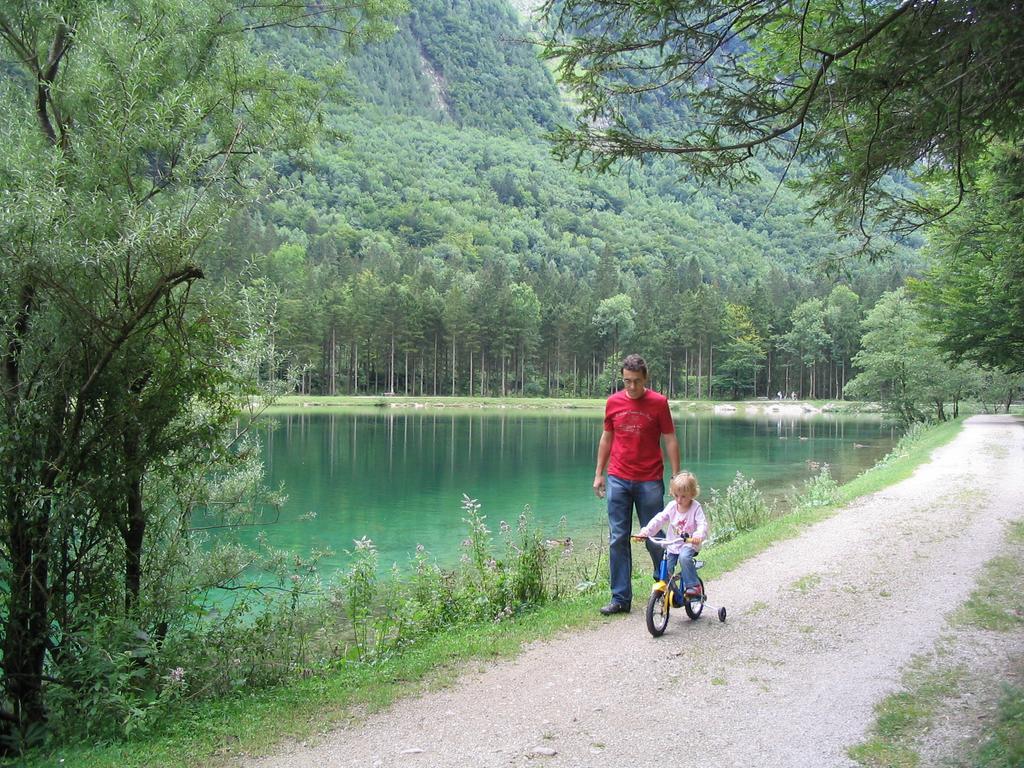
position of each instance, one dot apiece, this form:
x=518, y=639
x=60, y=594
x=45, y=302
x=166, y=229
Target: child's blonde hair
x=686, y=483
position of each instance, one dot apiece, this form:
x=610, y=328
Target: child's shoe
x=694, y=592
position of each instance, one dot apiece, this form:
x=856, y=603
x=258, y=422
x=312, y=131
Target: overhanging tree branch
x=753, y=78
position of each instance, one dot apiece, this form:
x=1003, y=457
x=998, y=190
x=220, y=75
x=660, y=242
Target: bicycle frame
x=667, y=581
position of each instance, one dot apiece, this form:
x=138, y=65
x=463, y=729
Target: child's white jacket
x=693, y=522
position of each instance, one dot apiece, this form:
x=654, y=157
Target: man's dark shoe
x=615, y=607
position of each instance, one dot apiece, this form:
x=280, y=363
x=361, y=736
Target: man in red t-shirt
x=635, y=421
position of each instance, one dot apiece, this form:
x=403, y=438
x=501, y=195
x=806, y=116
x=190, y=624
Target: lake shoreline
x=759, y=406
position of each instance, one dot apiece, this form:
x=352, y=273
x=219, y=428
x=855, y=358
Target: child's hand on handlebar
x=638, y=537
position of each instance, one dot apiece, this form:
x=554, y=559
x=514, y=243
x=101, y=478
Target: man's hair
x=635, y=363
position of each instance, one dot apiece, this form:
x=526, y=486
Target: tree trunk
x=134, y=533
x=133, y=530
x=522, y=377
x=453, y=366
x=332, y=387
x=391, y=366
x=700, y=369
x=558, y=367
x=27, y=630
x=686, y=374
x=711, y=368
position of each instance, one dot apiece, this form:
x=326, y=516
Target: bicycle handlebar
x=663, y=542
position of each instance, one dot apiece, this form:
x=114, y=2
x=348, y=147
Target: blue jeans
x=687, y=570
x=647, y=496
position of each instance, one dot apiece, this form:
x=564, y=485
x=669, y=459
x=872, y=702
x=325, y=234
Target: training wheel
x=721, y=614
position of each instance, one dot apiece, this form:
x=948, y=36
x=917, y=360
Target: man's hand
x=599, y=486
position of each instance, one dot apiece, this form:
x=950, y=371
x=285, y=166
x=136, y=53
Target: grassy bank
x=215, y=732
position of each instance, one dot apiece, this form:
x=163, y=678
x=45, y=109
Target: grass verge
x=215, y=733
x=932, y=683
x=1004, y=746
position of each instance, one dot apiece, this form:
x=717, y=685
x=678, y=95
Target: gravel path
x=819, y=629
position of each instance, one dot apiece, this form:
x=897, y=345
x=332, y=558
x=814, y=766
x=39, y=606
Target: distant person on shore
x=683, y=516
x=636, y=422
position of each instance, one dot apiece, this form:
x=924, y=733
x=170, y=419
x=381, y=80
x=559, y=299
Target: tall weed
x=117, y=684
x=914, y=434
x=819, y=491
x=360, y=590
x=524, y=564
x=741, y=508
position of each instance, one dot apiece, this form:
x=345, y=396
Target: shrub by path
x=820, y=628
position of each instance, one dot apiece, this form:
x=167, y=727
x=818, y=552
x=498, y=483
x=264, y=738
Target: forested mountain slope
x=437, y=245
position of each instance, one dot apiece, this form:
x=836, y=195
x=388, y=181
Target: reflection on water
x=398, y=476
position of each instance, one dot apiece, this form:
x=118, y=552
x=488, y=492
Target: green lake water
x=397, y=476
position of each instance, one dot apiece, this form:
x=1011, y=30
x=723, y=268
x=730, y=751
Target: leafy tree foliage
x=842, y=324
x=901, y=364
x=807, y=339
x=973, y=295
x=866, y=90
x=128, y=132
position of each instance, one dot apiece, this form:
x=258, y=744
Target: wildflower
x=177, y=676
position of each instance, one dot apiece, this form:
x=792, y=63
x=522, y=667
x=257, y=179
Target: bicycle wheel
x=657, y=612
x=695, y=606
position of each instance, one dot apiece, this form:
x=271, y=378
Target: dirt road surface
x=819, y=629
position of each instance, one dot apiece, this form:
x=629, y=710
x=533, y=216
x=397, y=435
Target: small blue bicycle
x=663, y=599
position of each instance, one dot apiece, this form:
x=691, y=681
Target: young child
x=682, y=515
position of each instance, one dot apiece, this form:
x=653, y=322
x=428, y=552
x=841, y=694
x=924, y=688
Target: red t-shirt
x=637, y=427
